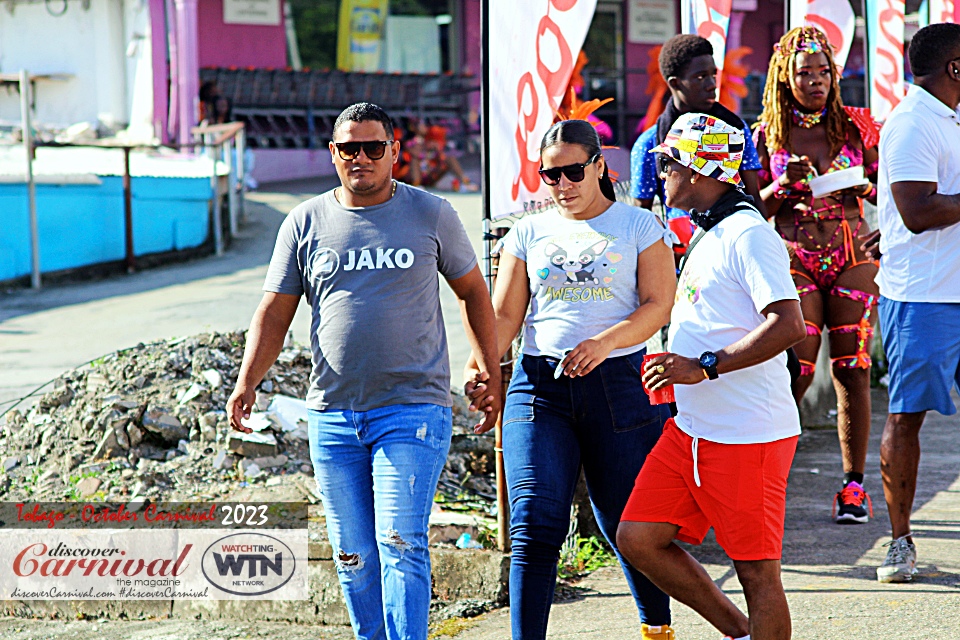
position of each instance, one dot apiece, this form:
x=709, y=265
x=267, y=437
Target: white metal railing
x=221, y=139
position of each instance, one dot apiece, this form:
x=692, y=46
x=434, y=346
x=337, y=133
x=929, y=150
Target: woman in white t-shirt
x=589, y=282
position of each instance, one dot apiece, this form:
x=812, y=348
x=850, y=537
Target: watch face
x=708, y=360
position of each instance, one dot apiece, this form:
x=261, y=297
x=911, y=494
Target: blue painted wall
x=82, y=225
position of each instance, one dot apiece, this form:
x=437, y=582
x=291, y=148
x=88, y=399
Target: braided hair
x=778, y=101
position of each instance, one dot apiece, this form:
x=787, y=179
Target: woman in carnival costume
x=805, y=132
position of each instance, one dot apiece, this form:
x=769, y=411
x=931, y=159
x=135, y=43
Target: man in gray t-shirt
x=366, y=256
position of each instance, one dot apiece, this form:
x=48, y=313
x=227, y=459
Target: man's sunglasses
x=351, y=150
x=574, y=172
x=665, y=162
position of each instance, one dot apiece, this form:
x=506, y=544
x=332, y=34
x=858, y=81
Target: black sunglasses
x=574, y=172
x=351, y=150
x=664, y=162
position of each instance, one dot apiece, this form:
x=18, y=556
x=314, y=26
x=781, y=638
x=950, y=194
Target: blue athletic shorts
x=922, y=341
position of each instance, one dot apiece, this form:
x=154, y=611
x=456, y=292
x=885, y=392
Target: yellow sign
x=360, y=34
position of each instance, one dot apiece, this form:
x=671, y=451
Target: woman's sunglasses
x=574, y=172
x=351, y=150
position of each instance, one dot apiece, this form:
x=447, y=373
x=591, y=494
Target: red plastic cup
x=663, y=395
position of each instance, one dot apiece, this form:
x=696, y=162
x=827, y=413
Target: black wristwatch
x=708, y=361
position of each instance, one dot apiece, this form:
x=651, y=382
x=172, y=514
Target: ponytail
x=606, y=184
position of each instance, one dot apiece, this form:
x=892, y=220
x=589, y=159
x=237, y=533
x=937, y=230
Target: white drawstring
x=696, y=471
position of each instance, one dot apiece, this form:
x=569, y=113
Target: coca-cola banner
x=934, y=11
x=834, y=17
x=532, y=53
x=885, y=55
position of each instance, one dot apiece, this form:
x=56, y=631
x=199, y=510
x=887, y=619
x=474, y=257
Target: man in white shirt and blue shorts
x=723, y=461
x=918, y=202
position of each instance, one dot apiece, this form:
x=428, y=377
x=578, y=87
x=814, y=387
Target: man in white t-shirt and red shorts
x=723, y=461
x=918, y=204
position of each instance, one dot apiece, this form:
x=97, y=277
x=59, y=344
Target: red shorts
x=742, y=492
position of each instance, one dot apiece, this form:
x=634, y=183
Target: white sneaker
x=900, y=564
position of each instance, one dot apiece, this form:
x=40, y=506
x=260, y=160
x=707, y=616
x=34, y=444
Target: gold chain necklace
x=393, y=192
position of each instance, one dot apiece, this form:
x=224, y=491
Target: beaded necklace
x=807, y=120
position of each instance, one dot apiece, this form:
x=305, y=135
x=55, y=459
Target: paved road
x=829, y=570
x=43, y=333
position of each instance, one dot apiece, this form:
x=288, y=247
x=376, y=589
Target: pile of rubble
x=149, y=422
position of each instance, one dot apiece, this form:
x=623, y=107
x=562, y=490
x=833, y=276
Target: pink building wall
x=761, y=29
x=229, y=45
x=471, y=38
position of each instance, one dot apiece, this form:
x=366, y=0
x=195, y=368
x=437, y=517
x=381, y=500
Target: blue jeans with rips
x=602, y=422
x=377, y=473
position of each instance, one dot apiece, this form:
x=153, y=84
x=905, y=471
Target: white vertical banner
x=686, y=16
x=885, y=33
x=796, y=13
x=834, y=17
x=711, y=20
x=532, y=54
x=936, y=11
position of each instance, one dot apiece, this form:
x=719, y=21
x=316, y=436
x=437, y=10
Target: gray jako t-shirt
x=370, y=277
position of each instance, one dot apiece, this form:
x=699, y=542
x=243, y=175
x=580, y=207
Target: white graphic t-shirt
x=735, y=271
x=583, y=273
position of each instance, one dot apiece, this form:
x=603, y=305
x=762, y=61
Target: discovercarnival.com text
x=124, y=592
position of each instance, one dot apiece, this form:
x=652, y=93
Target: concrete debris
x=149, y=423
x=257, y=421
x=191, y=393
x=249, y=468
x=213, y=378
x=269, y=462
x=290, y=414
x=223, y=460
x=158, y=421
x=88, y=486
x=252, y=445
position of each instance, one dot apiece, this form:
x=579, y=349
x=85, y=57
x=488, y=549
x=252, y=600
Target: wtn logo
x=232, y=564
x=253, y=564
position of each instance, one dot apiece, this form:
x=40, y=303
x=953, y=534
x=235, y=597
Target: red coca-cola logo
x=552, y=83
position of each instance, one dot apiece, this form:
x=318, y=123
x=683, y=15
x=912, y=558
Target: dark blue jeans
x=602, y=421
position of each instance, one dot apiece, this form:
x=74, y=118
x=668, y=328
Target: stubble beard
x=366, y=186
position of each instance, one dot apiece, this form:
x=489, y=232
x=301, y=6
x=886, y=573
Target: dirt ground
x=20, y=629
